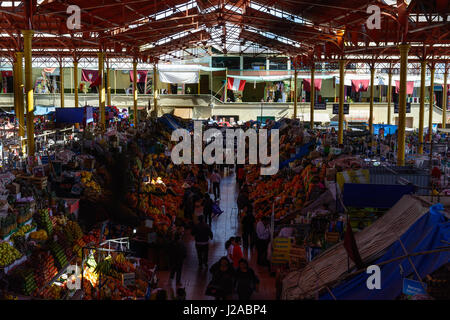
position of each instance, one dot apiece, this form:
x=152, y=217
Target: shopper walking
x=188, y=202
x=221, y=285
x=237, y=252
x=208, y=208
x=240, y=175
x=246, y=281
x=248, y=228
x=177, y=254
x=215, y=180
x=229, y=249
x=263, y=238
x=202, y=233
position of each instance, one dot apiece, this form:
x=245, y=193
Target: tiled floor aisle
x=223, y=227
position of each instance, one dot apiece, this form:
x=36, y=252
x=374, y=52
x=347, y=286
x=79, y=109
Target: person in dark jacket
x=222, y=281
x=177, y=254
x=246, y=281
x=242, y=200
x=188, y=202
x=248, y=228
x=202, y=233
x=208, y=208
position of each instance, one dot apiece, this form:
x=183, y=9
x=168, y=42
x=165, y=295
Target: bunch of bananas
x=22, y=231
x=73, y=231
x=39, y=235
x=8, y=254
x=120, y=258
x=104, y=267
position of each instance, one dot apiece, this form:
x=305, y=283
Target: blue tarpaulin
x=374, y=195
x=430, y=232
x=39, y=110
x=304, y=150
x=170, y=122
x=69, y=115
x=388, y=128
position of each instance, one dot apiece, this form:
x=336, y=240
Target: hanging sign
x=320, y=106
x=336, y=108
x=281, y=250
x=408, y=107
x=128, y=279
x=412, y=287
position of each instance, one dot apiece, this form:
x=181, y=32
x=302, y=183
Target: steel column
x=61, y=79
x=423, y=71
x=75, y=80
x=27, y=37
x=101, y=91
x=108, y=86
x=430, y=115
x=155, y=91
x=295, y=93
x=20, y=106
x=445, y=98
x=313, y=98
x=372, y=87
x=404, y=48
x=389, y=97
x=341, y=101
x=135, y=94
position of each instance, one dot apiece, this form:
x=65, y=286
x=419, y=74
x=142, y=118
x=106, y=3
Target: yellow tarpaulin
x=352, y=176
x=281, y=250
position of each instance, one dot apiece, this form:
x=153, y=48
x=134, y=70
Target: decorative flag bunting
x=141, y=76
x=360, y=85
x=409, y=87
x=90, y=76
x=307, y=84
x=235, y=84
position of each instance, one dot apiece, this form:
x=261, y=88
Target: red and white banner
x=360, y=85
x=235, y=84
x=307, y=84
x=90, y=76
x=141, y=76
x=409, y=87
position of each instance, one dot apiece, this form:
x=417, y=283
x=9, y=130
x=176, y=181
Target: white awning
x=182, y=73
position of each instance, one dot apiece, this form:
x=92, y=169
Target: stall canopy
x=374, y=195
x=331, y=266
x=430, y=232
